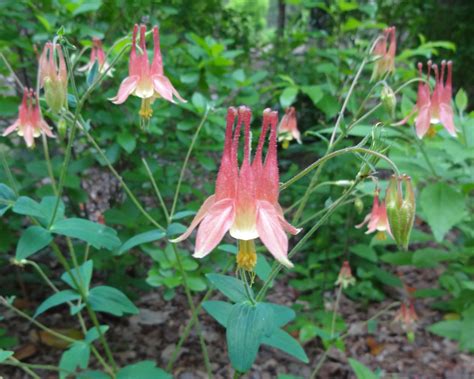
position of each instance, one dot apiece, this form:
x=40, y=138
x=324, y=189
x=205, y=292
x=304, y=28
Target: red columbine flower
x=407, y=315
x=345, y=278
x=245, y=202
x=436, y=107
x=53, y=76
x=30, y=123
x=385, y=49
x=97, y=54
x=144, y=80
x=288, y=128
x=377, y=219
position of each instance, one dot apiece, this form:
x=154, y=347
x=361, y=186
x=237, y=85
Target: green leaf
x=461, y=100
x=76, y=356
x=364, y=251
x=127, y=141
x=31, y=241
x=443, y=208
x=219, y=310
x=282, y=315
x=55, y=300
x=7, y=198
x=449, y=329
x=466, y=342
x=288, y=96
x=150, y=236
x=142, y=370
x=361, y=371
x=92, y=73
x=82, y=275
x=248, y=325
x=97, y=235
x=110, y=300
x=262, y=268
x=92, y=375
x=283, y=341
x=92, y=334
x=85, y=6
x=430, y=257
x=231, y=287
x=199, y=101
x=42, y=211
x=5, y=354
x=400, y=258
x=314, y=92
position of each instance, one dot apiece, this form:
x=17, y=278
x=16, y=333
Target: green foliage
x=144, y=369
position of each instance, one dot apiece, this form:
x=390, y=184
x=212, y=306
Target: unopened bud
x=400, y=209
x=345, y=278
x=389, y=100
x=55, y=94
x=359, y=205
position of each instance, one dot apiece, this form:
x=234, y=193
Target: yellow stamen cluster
x=247, y=256
x=380, y=236
x=145, y=110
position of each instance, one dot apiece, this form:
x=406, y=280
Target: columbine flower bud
x=359, y=205
x=345, y=278
x=400, y=209
x=389, y=100
x=53, y=76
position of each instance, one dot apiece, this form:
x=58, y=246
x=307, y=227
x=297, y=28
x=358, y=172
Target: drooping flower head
x=144, y=80
x=53, y=76
x=30, y=123
x=288, y=128
x=245, y=202
x=385, y=50
x=407, y=315
x=377, y=219
x=345, y=278
x=433, y=108
x=97, y=54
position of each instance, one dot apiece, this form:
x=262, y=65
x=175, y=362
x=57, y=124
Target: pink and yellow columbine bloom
x=345, y=278
x=144, y=80
x=433, y=108
x=53, y=76
x=377, y=219
x=97, y=54
x=245, y=202
x=288, y=128
x=385, y=50
x=30, y=123
x=407, y=316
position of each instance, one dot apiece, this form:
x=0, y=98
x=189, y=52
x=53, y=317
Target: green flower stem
x=317, y=214
x=11, y=179
x=48, y=164
x=17, y=363
x=24, y=366
x=336, y=153
x=54, y=333
x=334, y=312
x=194, y=313
x=374, y=317
x=277, y=266
x=191, y=322
x=186, y=160
x=157, y=190
x=135, y=201
x=72, y=134
x=426, y=157
x=9, y=68
x=62, y=259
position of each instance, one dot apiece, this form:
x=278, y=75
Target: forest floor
x=153, y=334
